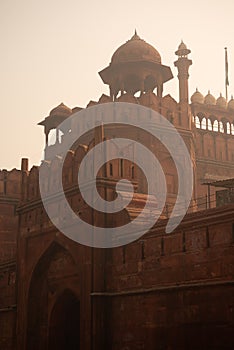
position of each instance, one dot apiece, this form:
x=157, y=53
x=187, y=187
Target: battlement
x=113, y=170
x=166, y=105
x=10, y=192
x=10, y=182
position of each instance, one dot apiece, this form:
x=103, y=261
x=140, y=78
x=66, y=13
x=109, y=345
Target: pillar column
x=183, y=64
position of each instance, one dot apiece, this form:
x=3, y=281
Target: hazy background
x=52, y=50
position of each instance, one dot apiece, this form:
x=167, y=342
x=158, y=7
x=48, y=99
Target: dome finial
x=231, y=104
x=209, y=99
x=221, y=101
x=135, y=36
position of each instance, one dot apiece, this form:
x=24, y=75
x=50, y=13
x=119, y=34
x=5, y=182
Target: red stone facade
x=10, y=189
x=163, y=291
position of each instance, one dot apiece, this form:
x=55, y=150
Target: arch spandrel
x=45, y=253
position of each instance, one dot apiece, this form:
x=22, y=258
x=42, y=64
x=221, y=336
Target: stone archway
x=64, y=326
x=50, y=296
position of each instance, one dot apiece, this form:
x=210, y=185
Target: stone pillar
x=182, y=65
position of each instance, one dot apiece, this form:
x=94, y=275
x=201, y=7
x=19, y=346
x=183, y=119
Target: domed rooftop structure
x=197, y=97
x=134, y=50
x=231, y=104
x=61, y=111
x=135, y=66
x=182, y=51
x=221, y=101
x=56, y=117
x=209, y=99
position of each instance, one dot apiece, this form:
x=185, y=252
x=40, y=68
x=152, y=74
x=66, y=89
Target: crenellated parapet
x=166, y=105
x=31, y=209
x=10, y=182
x=10, y=192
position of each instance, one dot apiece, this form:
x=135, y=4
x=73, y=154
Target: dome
x=231, y=104
x=182, y=50
x=221, y=102
x=182, y=46
x=135, y=50
x=135, y=66
x=61, y=111
x=210, y=99
x=197, y=97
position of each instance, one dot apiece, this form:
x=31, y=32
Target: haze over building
x=162, y=291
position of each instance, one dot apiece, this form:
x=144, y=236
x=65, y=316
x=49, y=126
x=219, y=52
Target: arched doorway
x=50, y=301
x=64, y=326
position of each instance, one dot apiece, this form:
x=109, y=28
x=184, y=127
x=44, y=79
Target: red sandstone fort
x=161, y=292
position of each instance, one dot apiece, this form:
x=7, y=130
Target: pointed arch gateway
x=53, y=310
x=64, y=323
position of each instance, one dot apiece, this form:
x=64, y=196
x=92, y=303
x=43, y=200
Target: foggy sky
x=52, y=50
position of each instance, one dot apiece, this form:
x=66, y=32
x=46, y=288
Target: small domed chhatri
x=231, y=104
x=134, y=50
x=197, y=97
x=61, y=111
x=221, y=101
x=135, y=66
x=182, y=51
x=210, y=99
x=56, y=117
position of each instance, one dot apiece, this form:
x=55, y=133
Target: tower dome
x=210, y=99
x=61, y=111
x=231, y=104
x=135, y=66
x=56, y=117
x=182, y=51
x=135, y=50
x=221, y=102
x=197, y=97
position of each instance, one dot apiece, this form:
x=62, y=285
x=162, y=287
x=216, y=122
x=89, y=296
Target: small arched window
x=203, y=123
x=52, y=137
x=221, y=127
x=216, y=126
x=209, y=124
x=232, y=129
x=197, y=122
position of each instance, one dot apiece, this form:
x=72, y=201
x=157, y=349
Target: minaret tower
x=183, y=64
